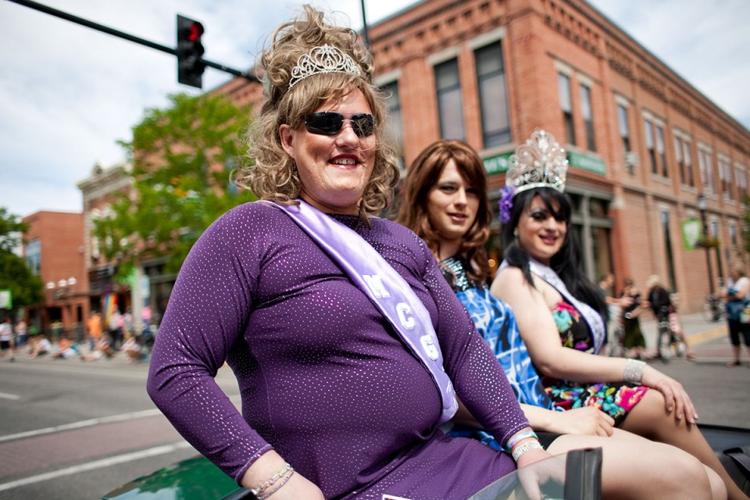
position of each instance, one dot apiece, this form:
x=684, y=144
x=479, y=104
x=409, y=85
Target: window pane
x=449, y=100
x=489, y=60
x=492, y=95
x=564, y=88
x=451, y=115
x=585, y=102
x=622, y=120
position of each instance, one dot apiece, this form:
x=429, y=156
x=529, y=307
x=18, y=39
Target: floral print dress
x=615, y=399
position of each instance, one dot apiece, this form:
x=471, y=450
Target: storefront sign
x=691, y=233
x=586, y=162
x=498, y=164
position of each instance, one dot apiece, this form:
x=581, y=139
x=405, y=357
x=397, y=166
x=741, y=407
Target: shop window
x=449, y=100
x=668, y=253
x=493, y=100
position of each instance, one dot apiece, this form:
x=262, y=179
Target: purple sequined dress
x=324, y=379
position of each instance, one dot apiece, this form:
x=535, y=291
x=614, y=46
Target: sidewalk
x=696, y=328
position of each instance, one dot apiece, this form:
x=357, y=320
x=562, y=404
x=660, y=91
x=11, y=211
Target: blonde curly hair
x=272, y=174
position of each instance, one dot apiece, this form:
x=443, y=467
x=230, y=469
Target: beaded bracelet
x=520, y=450
x=260, y=490
x=633, y=372
x=518, y=437
x=276, y=486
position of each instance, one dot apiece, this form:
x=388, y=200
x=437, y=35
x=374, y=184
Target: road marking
x=6, y=395
x=82, y=423
x=705, y=336
x=91, y=421
x=96, y=464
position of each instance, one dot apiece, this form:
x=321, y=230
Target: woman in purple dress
x=349, y=348
x=560, y=313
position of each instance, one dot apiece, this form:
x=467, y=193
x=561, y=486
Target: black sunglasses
x=331, y=123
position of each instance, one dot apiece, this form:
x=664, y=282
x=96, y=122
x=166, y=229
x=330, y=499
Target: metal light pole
x=702, y=206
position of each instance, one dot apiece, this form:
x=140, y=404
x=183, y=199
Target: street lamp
x=712, y=299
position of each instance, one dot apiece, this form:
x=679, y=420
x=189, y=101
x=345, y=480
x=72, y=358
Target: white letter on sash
x=428, y=344
x=403, y=309
x=375, y=284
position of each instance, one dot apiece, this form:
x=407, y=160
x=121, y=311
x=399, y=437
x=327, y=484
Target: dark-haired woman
x=560, y=313
x=445, y=202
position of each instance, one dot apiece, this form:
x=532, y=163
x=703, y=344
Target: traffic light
x=189, y=52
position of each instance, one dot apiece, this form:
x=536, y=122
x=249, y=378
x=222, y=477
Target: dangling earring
x=515, y=233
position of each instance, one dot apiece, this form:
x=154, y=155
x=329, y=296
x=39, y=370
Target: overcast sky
x=68, y=93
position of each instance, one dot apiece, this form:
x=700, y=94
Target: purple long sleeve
x=322, y=376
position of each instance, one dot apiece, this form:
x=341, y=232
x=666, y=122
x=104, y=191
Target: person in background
x=21, y=333
x=349, y=348
x=633, y=340
x=6, y=338
x=94, y=329
x=664, y=309
x=737, y=298
x=559, y=313
x=445, y=202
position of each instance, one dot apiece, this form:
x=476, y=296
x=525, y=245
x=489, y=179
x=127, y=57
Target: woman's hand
x=676, y=398
x=588, y=420
x=531, y=478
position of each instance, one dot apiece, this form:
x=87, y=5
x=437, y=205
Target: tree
x=182, y=157
x=24, y=286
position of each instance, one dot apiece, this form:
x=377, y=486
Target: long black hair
x=566, y=261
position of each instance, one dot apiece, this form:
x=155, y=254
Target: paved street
x=78, y=430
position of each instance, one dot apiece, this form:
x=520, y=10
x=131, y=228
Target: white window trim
x=443, y=56
x=485, y=39
x=565, y=69
x=387, y=78
x=705, y=147
x=585, y=80
x=622, y=101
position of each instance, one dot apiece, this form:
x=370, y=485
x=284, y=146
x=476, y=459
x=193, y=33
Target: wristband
x=518, y=437
x=633, y=372
x=520, y=450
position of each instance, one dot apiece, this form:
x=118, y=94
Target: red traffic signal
x=190, y=50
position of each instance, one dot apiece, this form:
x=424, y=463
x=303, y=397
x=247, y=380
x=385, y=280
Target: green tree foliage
x=182, y=157
x=25, y=288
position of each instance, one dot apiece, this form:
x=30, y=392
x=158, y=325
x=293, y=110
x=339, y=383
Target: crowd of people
x=383, y=360
x=120, y=338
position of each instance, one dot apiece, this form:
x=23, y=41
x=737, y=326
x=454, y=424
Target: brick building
x=644, y=145
x=54, y=250
x=642, y=142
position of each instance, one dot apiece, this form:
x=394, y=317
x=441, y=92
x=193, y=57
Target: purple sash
x=387, y=290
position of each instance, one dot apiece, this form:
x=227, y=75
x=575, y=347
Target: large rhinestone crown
x=540, y=162
x=323, y=59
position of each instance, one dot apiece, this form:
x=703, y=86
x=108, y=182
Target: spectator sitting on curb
x=102, y=349
x=66, y=349
x=132, y=349
x=40, y=346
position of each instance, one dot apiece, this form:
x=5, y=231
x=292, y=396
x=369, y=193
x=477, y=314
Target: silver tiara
x=540, y=162
x=323, y=59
